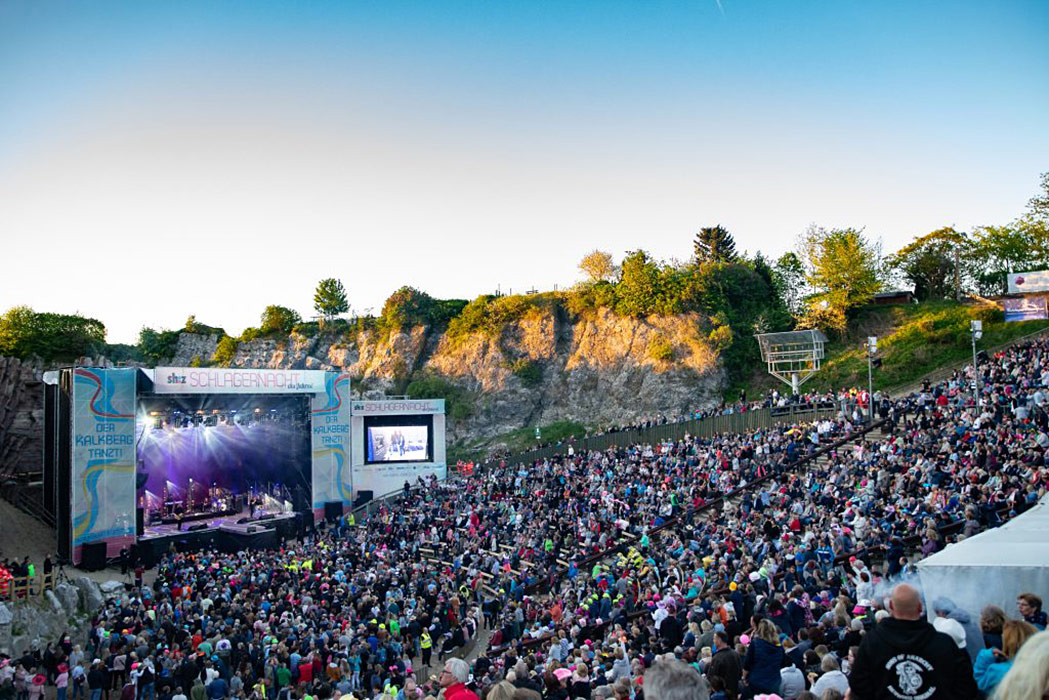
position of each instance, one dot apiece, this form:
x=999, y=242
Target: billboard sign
x=1028, y=282
x=397, y=407
x=219, y=380
x=1025, y=309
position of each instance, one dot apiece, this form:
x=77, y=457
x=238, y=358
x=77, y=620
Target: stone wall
x=21, y=416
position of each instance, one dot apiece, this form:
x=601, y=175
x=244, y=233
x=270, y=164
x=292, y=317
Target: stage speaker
x=332, y=511
x=140, y=521
x=363, y=497
x=93, y=556
x=252, y=529
x=243, y=520
x=194, y=528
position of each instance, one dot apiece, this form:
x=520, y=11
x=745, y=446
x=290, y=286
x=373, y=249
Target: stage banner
x=1027, y=282
x=219, y=380
x=330, y=424
x=103, y=463
x=1025, y=309
x=396, y=407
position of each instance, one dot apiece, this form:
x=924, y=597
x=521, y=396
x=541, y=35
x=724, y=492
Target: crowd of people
x=735, y=566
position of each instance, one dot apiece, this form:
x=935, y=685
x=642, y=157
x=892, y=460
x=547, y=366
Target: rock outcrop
x=31, y=623
x=596, y=369
x=21, y=416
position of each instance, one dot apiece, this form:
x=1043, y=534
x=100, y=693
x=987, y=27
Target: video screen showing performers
x=398, y=439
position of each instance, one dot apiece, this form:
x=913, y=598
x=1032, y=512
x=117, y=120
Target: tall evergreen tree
x=715, y=244
x=330, y=298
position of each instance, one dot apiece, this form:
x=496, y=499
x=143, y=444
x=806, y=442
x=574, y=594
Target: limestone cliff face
x=596, y=369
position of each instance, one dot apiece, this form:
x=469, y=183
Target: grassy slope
x=913, y=340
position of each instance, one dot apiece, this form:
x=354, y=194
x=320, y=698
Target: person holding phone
x=992, y=664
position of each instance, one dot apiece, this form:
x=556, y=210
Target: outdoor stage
x=227, y=533
x=130, y=454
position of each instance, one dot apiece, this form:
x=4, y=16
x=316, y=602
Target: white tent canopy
x=992, y=568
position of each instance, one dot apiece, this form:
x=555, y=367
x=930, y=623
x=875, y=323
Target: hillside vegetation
x=913, y=340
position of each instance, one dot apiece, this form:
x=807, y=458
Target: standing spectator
x=453, y=680
x=725, y=664
x=62, y=682
x=763, y=660
x=904, y=656
x=992, y=618
x=1030, y=607
x=96, y=679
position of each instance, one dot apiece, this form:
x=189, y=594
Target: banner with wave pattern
x=103, y=464
x=330, y=441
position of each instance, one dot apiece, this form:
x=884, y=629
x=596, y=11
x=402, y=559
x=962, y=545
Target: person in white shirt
x=832, y=678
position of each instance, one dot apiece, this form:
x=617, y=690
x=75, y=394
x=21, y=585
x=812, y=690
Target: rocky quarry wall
x=596, y=369
x=21, y=416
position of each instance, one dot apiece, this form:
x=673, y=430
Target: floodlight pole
x=872, y=347
x=976, y=330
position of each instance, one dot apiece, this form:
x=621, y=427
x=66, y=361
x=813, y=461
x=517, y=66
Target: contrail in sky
x=720, y=8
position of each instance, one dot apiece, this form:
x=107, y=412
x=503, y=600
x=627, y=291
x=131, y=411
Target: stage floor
x=226, y=522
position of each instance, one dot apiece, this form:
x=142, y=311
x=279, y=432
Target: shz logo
x=176, y=378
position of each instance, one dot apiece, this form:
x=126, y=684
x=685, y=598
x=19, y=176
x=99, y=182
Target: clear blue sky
x=162, y=159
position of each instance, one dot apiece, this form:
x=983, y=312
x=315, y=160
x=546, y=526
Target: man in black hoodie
x=905, y=658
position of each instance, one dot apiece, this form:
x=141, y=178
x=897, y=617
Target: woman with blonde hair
x=763, y=659
x=992, y=664
x=1028, y=679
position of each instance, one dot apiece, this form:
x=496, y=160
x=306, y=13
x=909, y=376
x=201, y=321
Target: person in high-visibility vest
x=427, y=647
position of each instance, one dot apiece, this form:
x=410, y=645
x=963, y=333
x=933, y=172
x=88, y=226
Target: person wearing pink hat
x=62, y=682
x=36, y=687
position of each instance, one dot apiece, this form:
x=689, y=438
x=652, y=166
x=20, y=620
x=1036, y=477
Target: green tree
x=598, y=266
x=788, y=276
x=278, y=319
x=330, y=299
x=1038, y=206
x=844, y=270
x=930, y=262
x=156, y=347
x=25, y=333
x=407, y=307
x=225, y=351
x=714, y=244
x=638, y=288
x=999, y=250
